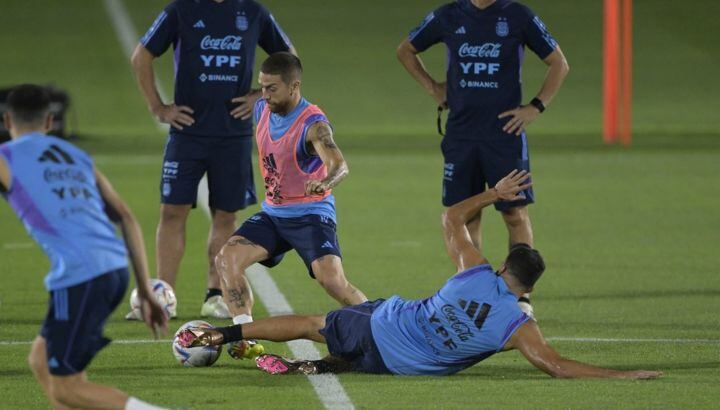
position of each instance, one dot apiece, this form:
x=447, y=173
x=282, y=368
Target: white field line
x=631, y=340
x=328, y=387
x=18, y=246
x=581, y=340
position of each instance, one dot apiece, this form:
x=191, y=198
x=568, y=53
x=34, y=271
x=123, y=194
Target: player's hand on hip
x=154, y=316
x=175, y=115
x=315, y=187
x=509, y=188
x=439, y=93
x=520, y=118
x=246, y=104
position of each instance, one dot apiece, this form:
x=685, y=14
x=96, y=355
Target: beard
x=279, y=107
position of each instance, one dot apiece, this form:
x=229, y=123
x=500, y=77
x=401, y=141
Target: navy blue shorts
x=348, y=335
x=73, y=327
x=227, y=162
x=472, y=165
x=312, y=236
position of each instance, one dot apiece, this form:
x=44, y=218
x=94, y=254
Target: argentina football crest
x=241, y=22
x=501, y=28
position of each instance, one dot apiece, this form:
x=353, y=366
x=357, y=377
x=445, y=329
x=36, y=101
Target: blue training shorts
x=73, y=327
x=471, y=165
x=227, y=162
x=312, y=237
x=349, y=336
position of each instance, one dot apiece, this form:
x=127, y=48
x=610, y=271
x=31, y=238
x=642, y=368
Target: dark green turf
x=630, y=235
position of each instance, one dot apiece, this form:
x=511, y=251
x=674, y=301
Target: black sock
x=212, y=292
x=323, y=366
x=332, y=366
x=231, y=333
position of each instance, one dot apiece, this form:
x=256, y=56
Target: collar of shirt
x=280, y=124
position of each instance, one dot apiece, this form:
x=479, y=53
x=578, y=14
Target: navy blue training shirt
x=214, y=50
x=485, y=55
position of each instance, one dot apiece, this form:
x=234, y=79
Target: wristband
x=537, y=103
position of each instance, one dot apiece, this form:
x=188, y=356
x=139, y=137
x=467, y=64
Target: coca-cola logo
x=491, y=50
x=223, y=43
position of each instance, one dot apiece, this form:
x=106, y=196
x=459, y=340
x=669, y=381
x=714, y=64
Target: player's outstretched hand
x=521, y=117
x=246, y=104
x=175, y=115
x=642, y=374
x=153, y=315
x=509, y=188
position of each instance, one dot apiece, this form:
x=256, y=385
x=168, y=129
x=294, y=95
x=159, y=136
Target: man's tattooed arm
x=320, y=139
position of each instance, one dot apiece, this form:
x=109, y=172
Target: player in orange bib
x=300, y=164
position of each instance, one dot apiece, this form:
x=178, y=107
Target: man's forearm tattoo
x=335, y=176
x=325, y=136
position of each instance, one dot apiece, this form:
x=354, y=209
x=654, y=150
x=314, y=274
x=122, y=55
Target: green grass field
x=629, y=235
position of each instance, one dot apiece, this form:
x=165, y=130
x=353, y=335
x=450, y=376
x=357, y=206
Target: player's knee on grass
x=315, y=323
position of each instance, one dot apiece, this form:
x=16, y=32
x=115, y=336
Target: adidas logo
x=472, y=308
x=53, y=363
x=327, y=244
x=460, y=30
x=199, y=24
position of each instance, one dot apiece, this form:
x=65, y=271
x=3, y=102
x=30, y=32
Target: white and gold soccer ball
x=164, y=295
x=201, y=356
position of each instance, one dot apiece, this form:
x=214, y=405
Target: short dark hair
x=525, y=264
x=284, y=64
x=28, y=103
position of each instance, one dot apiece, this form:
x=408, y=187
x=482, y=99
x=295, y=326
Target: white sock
x=242, y=319
x=137, y=404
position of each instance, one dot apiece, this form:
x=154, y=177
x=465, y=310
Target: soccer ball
x=200, y=356
x=164, y=295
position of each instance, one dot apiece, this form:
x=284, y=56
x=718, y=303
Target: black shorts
x=73, y=327
x=312, y=236
x=349, y=336
x=473, y=165
x=227, y=162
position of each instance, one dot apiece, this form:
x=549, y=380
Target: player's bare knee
x=335, y=285
x=223, y=218
x=223, y=263
x=313, y=326
x=35, y=362
x=174, y=214
x=231, y=265
x=63, y=389
x=516, y=217
x=36, y=358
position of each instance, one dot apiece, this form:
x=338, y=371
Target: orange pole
x=611, y=68
x=627, y=73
